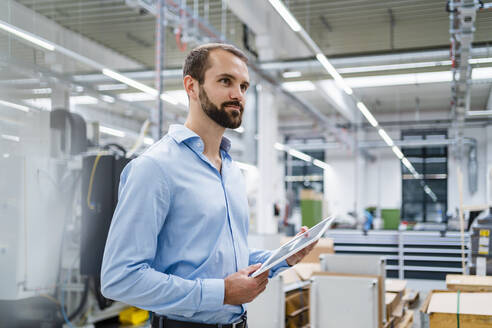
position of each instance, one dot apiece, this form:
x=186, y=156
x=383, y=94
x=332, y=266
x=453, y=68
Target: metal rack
x=409, y=254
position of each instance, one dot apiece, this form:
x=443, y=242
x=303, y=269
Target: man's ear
x=191, y=86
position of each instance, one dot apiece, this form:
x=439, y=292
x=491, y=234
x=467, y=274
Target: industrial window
x=431, y=161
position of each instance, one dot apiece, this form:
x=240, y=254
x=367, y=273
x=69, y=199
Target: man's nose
x=236, y=93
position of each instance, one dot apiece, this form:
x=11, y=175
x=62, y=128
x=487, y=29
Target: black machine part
x=99, y=201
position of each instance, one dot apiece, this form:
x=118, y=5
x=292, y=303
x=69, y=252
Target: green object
x=458, y=310
x=391, y=218
x=311, y=211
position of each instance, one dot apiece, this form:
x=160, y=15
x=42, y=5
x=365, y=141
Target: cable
x=91, y=180
x=62, y=307
x=140, y=139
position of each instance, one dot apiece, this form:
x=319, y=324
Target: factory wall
x=380, y=180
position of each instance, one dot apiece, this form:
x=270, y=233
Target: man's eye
x=244, y=87
x=224, y=81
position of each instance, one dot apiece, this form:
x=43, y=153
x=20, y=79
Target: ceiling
x=342, y=29
x=339, y=27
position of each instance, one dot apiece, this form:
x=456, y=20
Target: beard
x=225, y=119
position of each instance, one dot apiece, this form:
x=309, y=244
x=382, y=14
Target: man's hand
x=297, y=257
x=240, y=288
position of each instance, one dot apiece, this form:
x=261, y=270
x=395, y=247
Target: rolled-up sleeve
x=127, y=272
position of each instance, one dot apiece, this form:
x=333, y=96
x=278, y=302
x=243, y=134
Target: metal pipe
x=159, y=64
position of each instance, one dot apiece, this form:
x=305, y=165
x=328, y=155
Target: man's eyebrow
x=232, y=77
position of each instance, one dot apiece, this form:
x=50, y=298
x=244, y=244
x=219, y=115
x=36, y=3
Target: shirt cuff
x=212, y=294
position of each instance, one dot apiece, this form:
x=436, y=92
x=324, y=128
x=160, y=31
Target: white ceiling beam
x=270, y=29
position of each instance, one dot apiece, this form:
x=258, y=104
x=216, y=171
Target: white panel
x=268, y=309
x=337, y=301
x=356, y=264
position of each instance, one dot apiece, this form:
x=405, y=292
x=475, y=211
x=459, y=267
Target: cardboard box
x=410, y=296
x=466, y=283
x=392, y=301
x=407, y=320
x=440, y=309
x=306, y=270
x=396, y=286
x=289, y=276
x=297, y=308
x=324, y=246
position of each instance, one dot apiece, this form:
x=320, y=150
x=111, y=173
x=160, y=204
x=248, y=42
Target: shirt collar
x=181, y=133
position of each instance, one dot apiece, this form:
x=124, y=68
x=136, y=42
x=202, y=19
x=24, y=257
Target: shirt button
x=199, y=144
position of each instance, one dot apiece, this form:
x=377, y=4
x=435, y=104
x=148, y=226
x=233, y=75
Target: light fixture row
x=341, y=83
x=50, y=46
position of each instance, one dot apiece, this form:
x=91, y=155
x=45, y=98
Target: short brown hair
x=196, y=63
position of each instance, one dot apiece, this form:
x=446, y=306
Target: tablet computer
x=295, y=245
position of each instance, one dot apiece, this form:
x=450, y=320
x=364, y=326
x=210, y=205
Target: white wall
x=378, y=181
x=381, y=180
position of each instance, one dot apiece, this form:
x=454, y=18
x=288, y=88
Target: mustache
x=232, y=103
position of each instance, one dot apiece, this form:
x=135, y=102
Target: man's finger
x=252, y=268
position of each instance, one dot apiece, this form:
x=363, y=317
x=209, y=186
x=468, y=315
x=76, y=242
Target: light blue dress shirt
x=180, y=227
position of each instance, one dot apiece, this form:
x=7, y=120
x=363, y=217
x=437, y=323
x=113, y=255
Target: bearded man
x=177, y=245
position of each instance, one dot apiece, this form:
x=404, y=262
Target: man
x=177, y=245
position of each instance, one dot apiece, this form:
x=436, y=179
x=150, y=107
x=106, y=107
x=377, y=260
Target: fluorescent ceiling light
x=299, y=86
x=239, y=129
x=399, y=79
x=300, y=155
x=170, y=99
x=333, y=72
x=397, y=152
x=348, y=90
x=327, y=65
x=14, y=106
x=42, y=91
x=148, y=140
x=281, y=147
x=286, y=15
x=323, y=165
x=482, y=73
x=180, y=95
x=42, y=103
x=407, y=163
x=480, y=60
x=137, y=85
x=479, y=113
x=385, y=137
x=10, y=138
x=108, y=99
x=136, y=96
x=111, y=87
x=367, y=114
x=27, y=36
x=111, y=131
x=376, y=68
x=83, y=100
x=291, y=74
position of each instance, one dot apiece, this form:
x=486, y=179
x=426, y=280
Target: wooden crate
x=466, y=283
x=440, y=308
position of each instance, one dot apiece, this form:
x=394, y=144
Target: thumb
x=252, y=268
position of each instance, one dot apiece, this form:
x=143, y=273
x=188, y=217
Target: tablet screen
x=295, y=245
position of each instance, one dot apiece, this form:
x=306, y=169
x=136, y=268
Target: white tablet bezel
x=327, y=222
